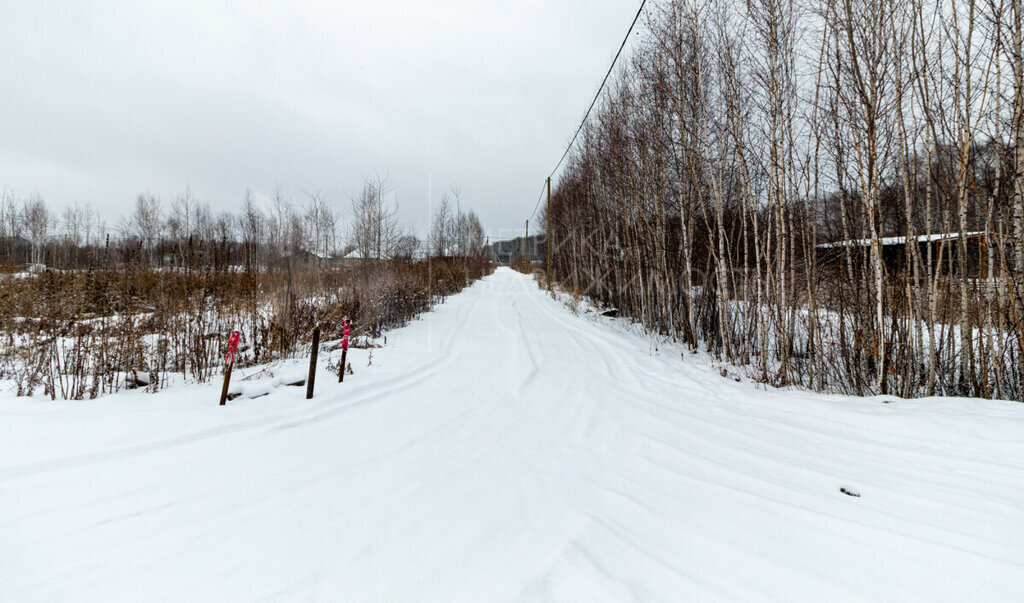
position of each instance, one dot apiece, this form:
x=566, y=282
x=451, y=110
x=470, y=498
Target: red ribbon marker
x=232, y=347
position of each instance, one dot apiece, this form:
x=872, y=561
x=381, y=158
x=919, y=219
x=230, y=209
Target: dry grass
x=85, y=333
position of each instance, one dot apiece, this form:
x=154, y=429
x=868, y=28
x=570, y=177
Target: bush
x=84, y=333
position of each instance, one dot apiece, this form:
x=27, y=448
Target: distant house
x=355, y=258
x=303, y=257
x=407, y=249
x=944, y=250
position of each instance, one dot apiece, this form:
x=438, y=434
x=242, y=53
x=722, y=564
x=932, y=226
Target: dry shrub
x=84, y=333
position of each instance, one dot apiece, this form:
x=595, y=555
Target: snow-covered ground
x=502, y=448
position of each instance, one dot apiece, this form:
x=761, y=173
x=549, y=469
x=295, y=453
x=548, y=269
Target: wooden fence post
x=233, y=340
x=344, y=351
x=314, y=352
x=224, y=390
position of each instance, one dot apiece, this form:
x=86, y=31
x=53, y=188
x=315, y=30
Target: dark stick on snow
x=312, y=363
x=227, y=380
x=344, y=351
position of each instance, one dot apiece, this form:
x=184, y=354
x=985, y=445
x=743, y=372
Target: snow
x=900, y=240
x=503, y=448
x=355, y=254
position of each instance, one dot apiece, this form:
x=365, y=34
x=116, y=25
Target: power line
x=591, y=107
x=539, y=199
x=599, y=90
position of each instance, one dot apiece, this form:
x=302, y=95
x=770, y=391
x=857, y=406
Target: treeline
x=831, y=193
x=185, y=233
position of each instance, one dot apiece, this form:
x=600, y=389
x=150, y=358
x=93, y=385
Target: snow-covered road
x=502, y=448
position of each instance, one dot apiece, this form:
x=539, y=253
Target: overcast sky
x=103, y=100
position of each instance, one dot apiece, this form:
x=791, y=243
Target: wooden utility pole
x=314, y=352
x=526, y=243
x=547, y=237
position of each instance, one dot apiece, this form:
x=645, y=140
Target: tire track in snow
x=536, y=456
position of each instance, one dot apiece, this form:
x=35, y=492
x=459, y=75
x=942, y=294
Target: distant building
x=407, y=249
x=355, y=258
x=511, y=251
x=944, y=249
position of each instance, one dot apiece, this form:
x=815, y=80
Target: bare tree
x=37, y=223
x=147, y=223
x=836, y=215
x=441, y=228
x=252, y=225
x=373, y=228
